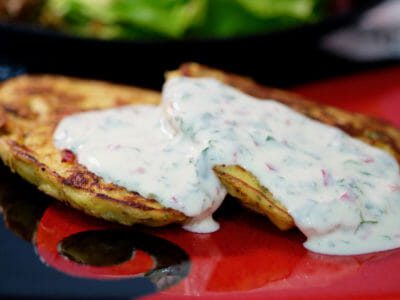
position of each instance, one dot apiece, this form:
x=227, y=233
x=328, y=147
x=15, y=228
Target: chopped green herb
x=356, y=188
x=269, y=138
x=151, y=196
x=365, y=173
x=375, y=135
x=352, y=162
x=363, y=221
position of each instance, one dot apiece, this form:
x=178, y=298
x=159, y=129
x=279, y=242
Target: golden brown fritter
x=30, y=109
x=32, y=106
x=243, y=185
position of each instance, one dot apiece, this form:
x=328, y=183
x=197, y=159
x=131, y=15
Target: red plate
x=248, y=258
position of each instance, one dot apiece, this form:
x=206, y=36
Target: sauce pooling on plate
x=343, y=194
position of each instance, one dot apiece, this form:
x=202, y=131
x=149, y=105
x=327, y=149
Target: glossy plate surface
x=247, y=259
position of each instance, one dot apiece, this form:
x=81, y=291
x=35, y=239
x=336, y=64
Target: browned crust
x=244, y=186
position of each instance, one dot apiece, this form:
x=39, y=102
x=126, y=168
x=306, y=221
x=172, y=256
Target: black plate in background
x=281, y=59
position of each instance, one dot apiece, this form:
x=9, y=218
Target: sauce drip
x=343, y=194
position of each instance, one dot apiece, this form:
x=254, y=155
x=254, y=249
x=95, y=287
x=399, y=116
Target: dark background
x=282, y=59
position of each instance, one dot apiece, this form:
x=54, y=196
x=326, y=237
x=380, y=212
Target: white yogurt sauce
x=344, y=195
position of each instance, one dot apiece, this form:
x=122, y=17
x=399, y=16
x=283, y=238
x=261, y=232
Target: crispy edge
x=96, y=204
x=244, y=186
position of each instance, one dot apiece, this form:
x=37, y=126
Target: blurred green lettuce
x=175, y=19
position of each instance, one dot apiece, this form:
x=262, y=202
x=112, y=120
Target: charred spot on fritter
x=81, y=179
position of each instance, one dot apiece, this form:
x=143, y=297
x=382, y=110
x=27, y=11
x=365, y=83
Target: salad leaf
x=227, y=18
x=171, y=18
x=163, y=19
x=302, y=9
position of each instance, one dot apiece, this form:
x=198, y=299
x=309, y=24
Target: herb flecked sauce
x=343, y=194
